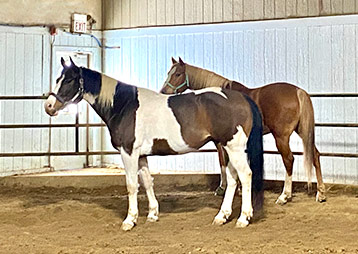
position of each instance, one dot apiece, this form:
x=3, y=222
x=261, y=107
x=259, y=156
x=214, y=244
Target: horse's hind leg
x=238, y=166
x=226, y=206
x=147, y=182
x=238, y=160
x=223, y=159
x=283, y=146
x=320, y=197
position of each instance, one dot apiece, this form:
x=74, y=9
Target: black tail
x=256, y=157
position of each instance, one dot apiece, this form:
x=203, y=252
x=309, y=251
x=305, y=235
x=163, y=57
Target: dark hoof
x=220, y=191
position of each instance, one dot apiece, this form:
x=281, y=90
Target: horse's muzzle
x=164, y=90
x=50, y=108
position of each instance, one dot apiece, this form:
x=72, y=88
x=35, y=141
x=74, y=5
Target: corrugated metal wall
x=139, y=13
x=25, y=70
x=317, y=54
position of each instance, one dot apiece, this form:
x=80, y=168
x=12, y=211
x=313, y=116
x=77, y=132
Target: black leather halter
x=76, y=98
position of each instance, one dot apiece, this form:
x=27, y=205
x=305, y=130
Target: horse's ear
x=63, y=63
x=174, y=61
x=181, y=61
x=72, y=63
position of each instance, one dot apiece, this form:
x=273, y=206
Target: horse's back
x=279, y=104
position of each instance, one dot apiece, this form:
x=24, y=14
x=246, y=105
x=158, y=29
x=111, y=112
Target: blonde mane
x=201, y=78
x=108, y=89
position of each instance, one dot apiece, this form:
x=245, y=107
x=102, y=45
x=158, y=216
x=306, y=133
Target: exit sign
x=79, y=23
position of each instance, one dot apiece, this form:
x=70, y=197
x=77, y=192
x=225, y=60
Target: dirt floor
x=49, y=220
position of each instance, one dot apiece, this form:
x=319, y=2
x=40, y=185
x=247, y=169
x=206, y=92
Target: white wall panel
x=25, y=70
x=22, y=74
x=317, y=54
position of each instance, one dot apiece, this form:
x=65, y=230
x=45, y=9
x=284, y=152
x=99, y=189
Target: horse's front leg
x=147, y=182
x=131, y=167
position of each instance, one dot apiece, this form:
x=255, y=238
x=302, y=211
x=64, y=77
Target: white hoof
x=152, y=218
x=283, y=199
x=219, y=221
x=241, y=224
x=281, y=202
x=127, y=226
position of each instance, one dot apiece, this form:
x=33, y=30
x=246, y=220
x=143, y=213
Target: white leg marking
x=286, y=194
x=226, y=207
x=238, y=159
x=131, y=167
x=147, y=181
x=320, y=196
x=245, y=176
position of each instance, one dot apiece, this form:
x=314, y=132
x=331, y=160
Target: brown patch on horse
x=161, y=147
x=209, y=116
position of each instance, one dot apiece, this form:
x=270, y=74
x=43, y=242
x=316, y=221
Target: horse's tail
x=305, y=130
x=255, y=156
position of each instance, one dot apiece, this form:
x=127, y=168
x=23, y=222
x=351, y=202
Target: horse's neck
x=112, y=98
x=93, y=82
x=201, y=78
x=105, y=113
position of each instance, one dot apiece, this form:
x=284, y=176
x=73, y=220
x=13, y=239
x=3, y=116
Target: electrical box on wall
x=79, y=23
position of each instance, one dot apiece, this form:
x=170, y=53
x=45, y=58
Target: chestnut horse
x=142, y=123
x=285, y=108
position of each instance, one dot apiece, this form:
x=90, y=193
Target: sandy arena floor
x=49, y=220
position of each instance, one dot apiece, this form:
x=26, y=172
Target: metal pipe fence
x=88, y=125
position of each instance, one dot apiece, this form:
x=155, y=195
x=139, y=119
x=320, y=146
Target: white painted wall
x=317, y=54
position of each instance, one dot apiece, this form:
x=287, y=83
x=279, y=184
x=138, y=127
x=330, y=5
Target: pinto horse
x=285, y=108
x=142, y=122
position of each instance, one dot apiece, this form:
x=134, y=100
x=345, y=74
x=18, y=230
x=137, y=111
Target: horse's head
x=69, y=89
x=177, y=80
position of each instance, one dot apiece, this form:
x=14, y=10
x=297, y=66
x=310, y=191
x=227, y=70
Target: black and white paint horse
x=142, y=122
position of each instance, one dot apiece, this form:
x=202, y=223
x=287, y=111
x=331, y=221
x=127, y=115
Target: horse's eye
x=178, y=74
